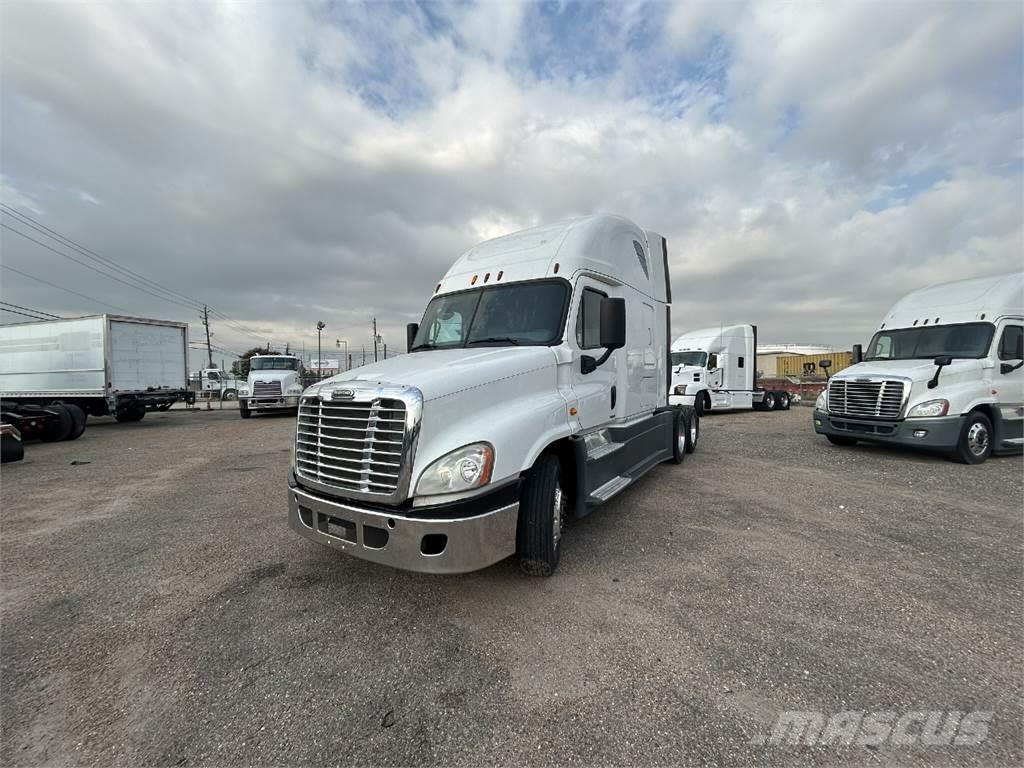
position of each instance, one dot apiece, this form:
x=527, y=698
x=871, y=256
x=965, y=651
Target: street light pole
x=319, y=356
x=339, y=342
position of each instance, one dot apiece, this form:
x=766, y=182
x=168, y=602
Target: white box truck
x=535, y=389
x=102, y=364
x=943, y=372
x=273, y=384
x=715, y=369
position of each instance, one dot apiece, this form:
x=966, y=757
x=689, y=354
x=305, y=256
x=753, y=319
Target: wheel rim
x=769, y=401
x=556, y=515
x=693, y=432
x=681, y=441
x=783, y=401
x=977, y=439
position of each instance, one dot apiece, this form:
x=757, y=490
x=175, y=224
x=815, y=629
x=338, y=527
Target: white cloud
x=287, y=160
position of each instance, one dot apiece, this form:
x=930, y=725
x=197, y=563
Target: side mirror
x=940, y=362
x=613, y=323
x=613, y=333
x=858, y=353
x=410, y=335
x=943, y=360
x=712, y=361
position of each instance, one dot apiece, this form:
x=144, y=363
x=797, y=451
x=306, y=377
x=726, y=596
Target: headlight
x=295, y=390
x=243, y=390
x=461, y=470
x=929, y=408
x=821, y=403
x=681, y=389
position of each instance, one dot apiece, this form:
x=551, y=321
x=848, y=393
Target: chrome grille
x=352, y=446
x=266, y=389
x=878, y=398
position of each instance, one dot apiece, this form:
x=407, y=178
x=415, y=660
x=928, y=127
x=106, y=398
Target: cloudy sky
x=293, y=161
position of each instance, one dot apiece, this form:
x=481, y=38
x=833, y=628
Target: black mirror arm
x=933, y=382
x=1007, y=368
x=588, y=364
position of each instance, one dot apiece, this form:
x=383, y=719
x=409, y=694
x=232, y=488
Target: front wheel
x=975, y=443
x=846, y=442
x=692, y=430
x=680, y=428
x=243, y=411
x=542, y=506
x=230, y=395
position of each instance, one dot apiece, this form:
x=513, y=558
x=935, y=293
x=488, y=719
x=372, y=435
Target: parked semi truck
x=103, y=365
x=715, y=369
x=213, y=383
x=535, y=389
x=273, y=384
x=943, y=371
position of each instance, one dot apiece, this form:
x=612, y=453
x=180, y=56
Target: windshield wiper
x=491, y=339
x=424, y=345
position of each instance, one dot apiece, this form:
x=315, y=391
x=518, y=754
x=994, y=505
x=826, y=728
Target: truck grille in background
x=266, y=389
x=351, y=445
x=848, y=397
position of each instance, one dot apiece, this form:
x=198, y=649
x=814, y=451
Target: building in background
x=324, y=368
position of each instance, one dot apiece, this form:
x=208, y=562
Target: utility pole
x=385, y=350
x=375, y=339
x=364, y=354
x=206, y=324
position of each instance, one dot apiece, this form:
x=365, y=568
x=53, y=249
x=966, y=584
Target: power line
x=62, y=288
x=23, y=314
x=30, y=309
x=108, y=263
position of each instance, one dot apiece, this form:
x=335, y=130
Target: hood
x=687, y=371
x=271, y=375
x=440, y=372
x=915, y=370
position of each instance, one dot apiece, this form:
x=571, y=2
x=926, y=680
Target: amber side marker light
x=473, y=281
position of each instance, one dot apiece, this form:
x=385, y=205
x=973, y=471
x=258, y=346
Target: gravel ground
x=157, y=610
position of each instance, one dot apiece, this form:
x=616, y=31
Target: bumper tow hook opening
x=433, y=544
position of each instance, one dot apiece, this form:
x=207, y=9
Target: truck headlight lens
x=296, y=390
x=243, y=390
x=461, y=470
x=929, y=408
x=680, y=389
x=821, y=403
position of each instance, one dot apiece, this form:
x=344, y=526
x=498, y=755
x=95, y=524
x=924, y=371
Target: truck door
x=597, y=394
x=1010, y=385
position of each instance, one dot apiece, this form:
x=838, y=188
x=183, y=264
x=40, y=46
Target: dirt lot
x=157, y=610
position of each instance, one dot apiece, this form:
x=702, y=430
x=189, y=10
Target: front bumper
x=268, y=403
x=940, y=433
x=681, y=399
x=429, y=546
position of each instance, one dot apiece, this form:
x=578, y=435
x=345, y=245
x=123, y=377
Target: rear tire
x=782, y=401
x=846, y=442
x=128, y=415
x=542, y=506
x=60, y=426
x=78, y=418
x=679, y=436
x=974, y=445
x=11, y=449
x=244, y=412
x=768, y=401
x=693, y=431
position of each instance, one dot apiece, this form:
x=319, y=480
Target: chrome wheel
x=556, y=516
x=693, y=432
x=769, y=401
x=977, y=439
x=681, y=440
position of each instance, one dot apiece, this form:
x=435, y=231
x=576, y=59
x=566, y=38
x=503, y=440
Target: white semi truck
x=535, y=389
x=715, y=369
x=944, y=371
x=99, y=365
x=273, y=384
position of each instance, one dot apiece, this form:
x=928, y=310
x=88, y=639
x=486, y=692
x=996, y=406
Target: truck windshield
x=529, y=313
x=273, y=364
x=926, y=342
x=699, y=359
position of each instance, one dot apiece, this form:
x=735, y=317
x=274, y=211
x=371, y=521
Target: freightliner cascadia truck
x=944, y=372
x=535, y=389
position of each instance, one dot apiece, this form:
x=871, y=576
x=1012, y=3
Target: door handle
x=614, y=392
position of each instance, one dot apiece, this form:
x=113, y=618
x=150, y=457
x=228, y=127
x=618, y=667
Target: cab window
x=588, y=320
x=1010, y=344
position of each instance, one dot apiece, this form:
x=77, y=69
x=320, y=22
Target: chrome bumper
x=412, y=544
x=269, y=403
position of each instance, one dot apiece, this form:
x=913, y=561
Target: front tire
x=680, y=429
x=701, y=404
x=244, y=411
x=974, y=445
x=542, y=506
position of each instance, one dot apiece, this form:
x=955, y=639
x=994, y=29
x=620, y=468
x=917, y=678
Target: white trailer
x=535, y=388
x=102, y=364
x=944, y=371
x=715, y=369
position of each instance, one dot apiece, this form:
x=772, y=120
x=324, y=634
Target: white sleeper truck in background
x=944, y=371
x=535, y=388
x=715, y=369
